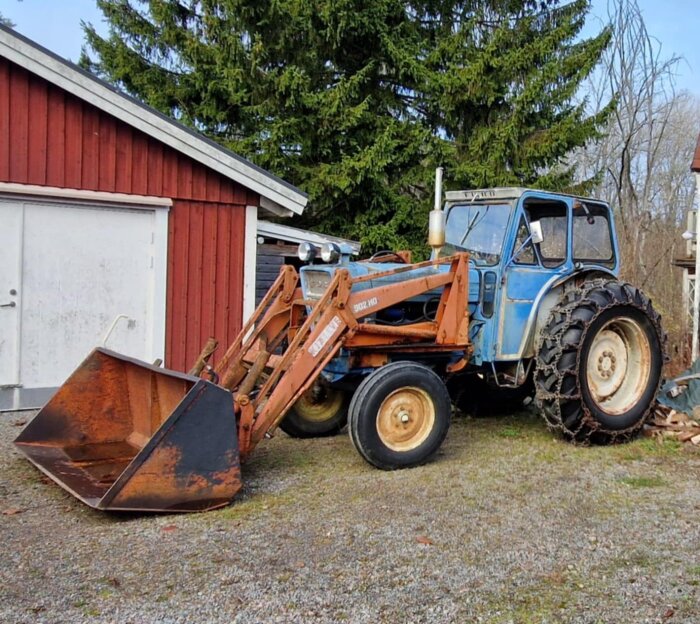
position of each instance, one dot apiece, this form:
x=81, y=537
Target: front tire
x=321, y=411
x=399, y=415
x=599, y=363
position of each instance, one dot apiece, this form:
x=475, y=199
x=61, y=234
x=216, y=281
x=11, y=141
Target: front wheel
x=321, y=411
x=399, y=415
x=599, y=362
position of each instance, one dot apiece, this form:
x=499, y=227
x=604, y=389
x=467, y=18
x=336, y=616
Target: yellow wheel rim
x=405, y=419
x=319, y=404
x=619, y=366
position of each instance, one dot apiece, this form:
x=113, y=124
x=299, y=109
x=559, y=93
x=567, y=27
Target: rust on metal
x=204, y=356
x=121, y=434
x=124, y=435
x=316, y=333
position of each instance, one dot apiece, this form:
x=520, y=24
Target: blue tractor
x=548, y=317
x=521, y=296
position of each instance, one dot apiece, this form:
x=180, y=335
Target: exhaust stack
x=436, y=222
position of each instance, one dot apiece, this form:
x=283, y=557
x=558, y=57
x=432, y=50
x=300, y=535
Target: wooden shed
x=114, y=216
x=278, y=245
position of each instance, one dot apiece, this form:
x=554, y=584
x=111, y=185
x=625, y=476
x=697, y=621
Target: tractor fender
x=548, y=298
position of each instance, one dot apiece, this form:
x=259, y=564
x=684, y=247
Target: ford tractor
x=520, y=295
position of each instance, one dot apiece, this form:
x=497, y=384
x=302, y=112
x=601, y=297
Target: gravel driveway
x=506, y=525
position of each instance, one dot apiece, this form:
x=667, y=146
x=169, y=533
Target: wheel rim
x=319, y=404
x=405, y=419
x=618, y=366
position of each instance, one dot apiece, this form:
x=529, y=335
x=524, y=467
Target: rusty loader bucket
x=121, y=434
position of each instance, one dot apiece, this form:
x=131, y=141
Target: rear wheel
x=321, y=411
x=399, y=415
x=599, y=362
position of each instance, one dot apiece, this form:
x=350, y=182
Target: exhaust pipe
x=436, y=221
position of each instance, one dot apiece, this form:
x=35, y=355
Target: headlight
x=315, y=283
x=330, y=252
x=306, y=252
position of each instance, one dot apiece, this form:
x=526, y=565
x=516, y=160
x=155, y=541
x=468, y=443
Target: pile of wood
x=669, y=423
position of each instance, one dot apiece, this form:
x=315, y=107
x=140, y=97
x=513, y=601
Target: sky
x=55, y=24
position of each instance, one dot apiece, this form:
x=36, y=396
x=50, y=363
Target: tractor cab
x=522, y=244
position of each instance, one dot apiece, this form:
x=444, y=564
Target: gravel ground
x=506, y=525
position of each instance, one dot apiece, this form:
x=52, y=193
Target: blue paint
x=524, y=273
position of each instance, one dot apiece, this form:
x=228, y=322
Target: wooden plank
x=278, y=250
x=194, y=282
x=237, y=269
x=91, y=149
x=178, y=295
x=240, y=195
x=74, y=143
x=170, y=289
x=124, y=155
x=184, y=177
x=139, y=164
x=199, y=182
x=4, y=120
x=209, y=261
x=19, y=126
x=213, y=186
x=56, y=138
x=223, y=280
x=155, y=168
x=38, y=129
x=268, y=274
x=107, y=178
x=226, y=192
x=170, y=173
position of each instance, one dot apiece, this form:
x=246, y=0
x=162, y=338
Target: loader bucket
x=123, y=435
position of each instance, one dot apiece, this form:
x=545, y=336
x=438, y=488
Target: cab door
x=531, y=267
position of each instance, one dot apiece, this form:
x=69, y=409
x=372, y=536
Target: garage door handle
x=12, y=304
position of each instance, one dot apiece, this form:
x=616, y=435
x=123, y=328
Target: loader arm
x=266, y=385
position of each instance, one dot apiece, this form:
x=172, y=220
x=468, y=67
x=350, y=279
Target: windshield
x=478, y=229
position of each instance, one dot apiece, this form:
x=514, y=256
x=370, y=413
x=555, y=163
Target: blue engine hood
x=360, y=269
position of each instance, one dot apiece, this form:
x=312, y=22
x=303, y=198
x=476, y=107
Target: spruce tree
x=356, y=101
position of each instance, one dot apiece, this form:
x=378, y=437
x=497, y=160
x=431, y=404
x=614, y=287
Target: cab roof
x=506, y=193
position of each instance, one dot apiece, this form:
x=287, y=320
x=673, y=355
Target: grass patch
x=257, y=504
x=509, y=432
x=649, y=447
x=643, y=482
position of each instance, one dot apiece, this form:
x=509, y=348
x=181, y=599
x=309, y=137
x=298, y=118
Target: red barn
x=114, y=216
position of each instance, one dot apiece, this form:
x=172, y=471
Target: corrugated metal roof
x=297, y=235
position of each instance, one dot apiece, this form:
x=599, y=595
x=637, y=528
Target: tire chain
x=548, y=377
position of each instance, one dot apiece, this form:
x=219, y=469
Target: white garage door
x=67, y=271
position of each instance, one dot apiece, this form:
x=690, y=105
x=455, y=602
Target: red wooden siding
x=50, y=138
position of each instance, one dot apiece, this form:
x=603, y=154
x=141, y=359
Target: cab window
x=592, y=235
x=525, y=252
x=553, y=220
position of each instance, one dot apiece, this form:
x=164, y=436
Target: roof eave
x=65, y=75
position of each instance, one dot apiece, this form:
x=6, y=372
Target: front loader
x=520, y=292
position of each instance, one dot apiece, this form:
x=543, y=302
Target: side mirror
x=536, y=232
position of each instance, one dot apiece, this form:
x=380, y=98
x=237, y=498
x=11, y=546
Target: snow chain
x=549, y=379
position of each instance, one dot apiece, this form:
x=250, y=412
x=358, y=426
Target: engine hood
x=315, y=278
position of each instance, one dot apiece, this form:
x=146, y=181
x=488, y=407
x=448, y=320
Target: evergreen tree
x=356, y=101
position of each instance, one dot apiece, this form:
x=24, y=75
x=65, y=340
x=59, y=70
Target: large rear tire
x=399, y=415
x=599, y=363
x=321, y=411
